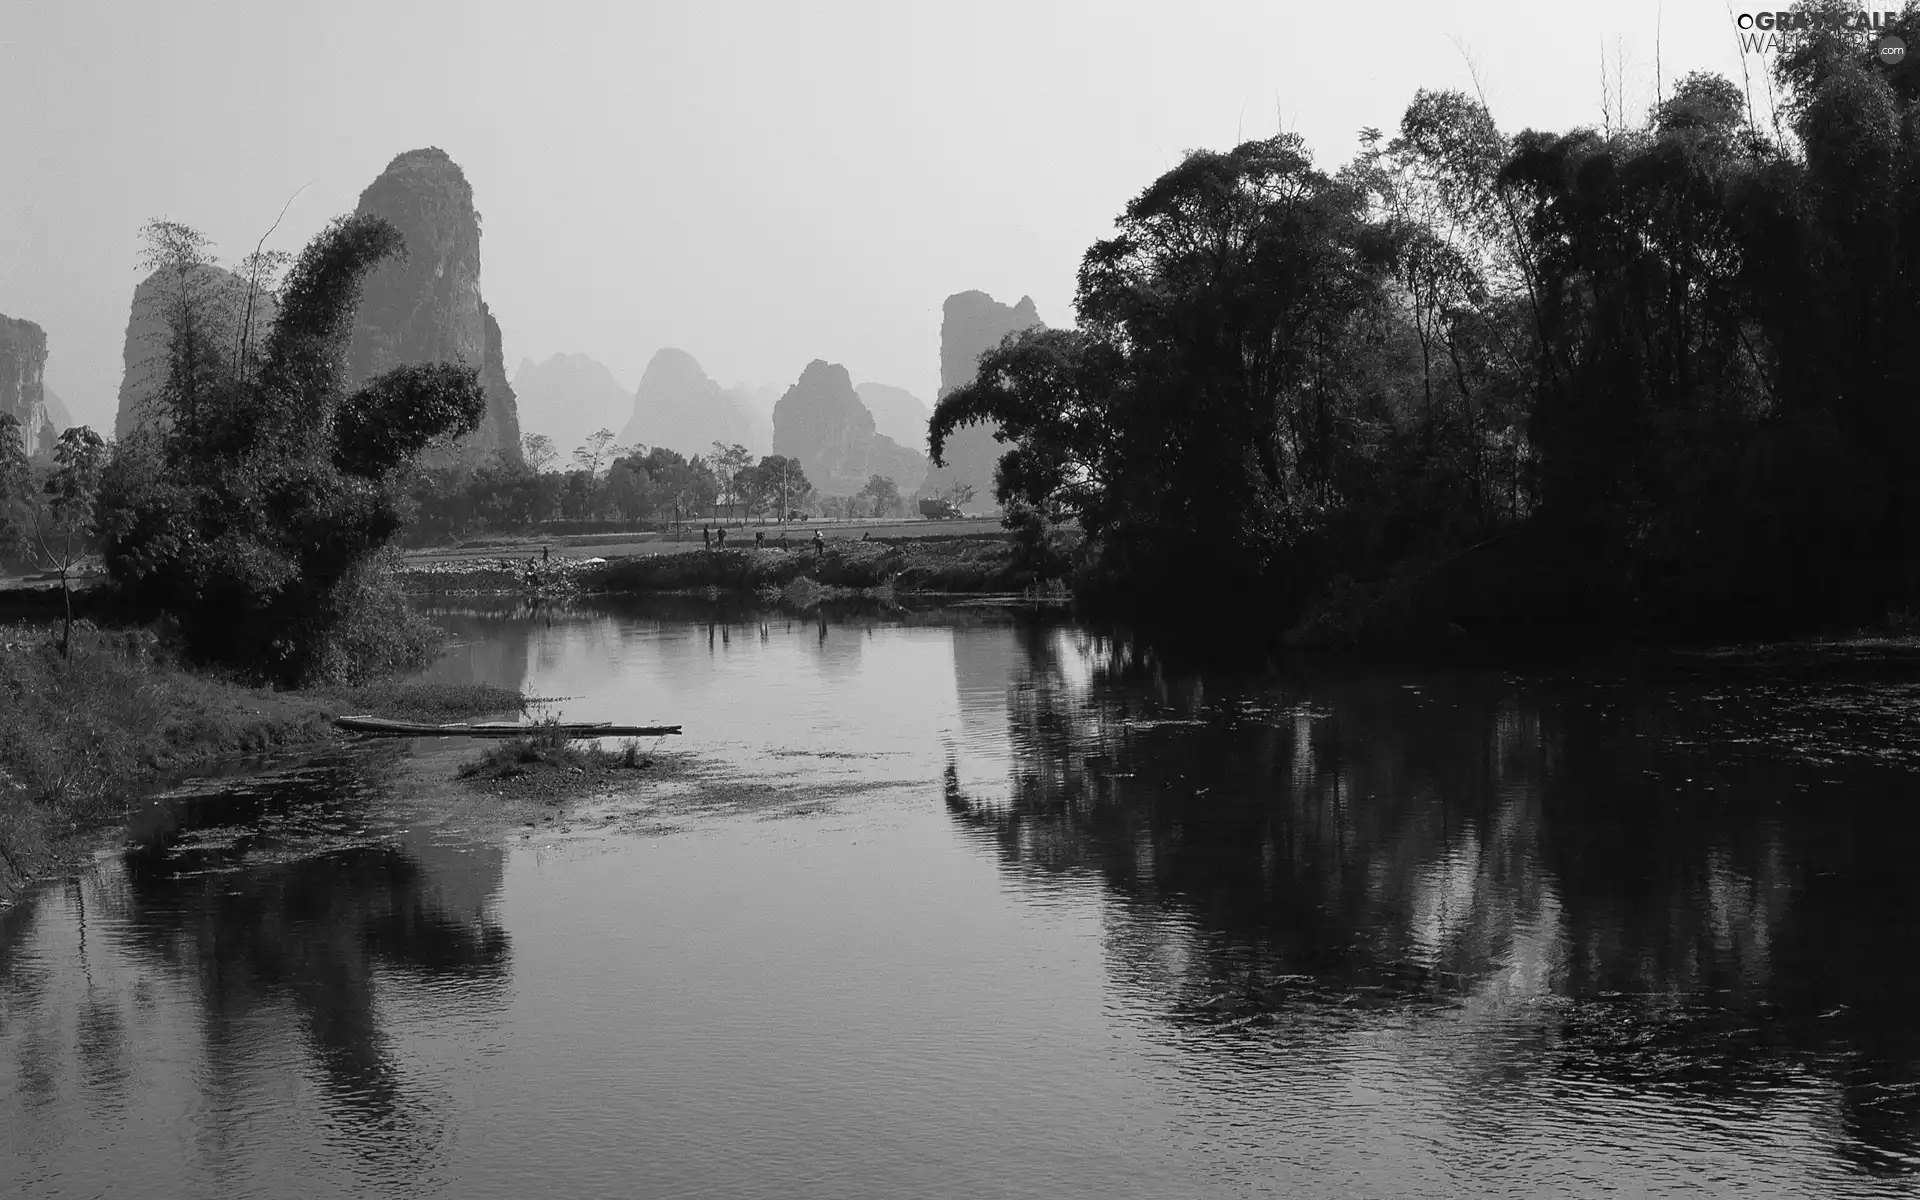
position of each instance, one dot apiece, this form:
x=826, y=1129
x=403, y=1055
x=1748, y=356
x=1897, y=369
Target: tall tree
x=727, y=463
x=883, y=492
x=538, y=451
x=257, y=511
x=597, y=452
x=785, y=480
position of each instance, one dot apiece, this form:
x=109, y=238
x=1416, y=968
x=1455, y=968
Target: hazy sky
x=760, y=184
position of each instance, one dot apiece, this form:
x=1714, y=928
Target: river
x=976, y=903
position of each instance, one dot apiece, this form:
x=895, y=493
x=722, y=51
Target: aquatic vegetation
x=935, y=565
x=551, y=761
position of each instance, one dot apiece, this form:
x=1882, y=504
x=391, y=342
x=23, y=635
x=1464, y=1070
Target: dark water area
x=971, y=902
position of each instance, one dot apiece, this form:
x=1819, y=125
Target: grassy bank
x=942, y=565
x=81, y=738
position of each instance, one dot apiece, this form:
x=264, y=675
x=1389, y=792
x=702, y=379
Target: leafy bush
x=256, y=506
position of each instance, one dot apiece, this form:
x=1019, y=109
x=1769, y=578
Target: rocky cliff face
x=58, y=414
x=971, y=324
x=568, y=397
x=678, y=407
x=219, y=295
x=427, y=307
x=821, y=421
x=23, y=365
x=897, y=413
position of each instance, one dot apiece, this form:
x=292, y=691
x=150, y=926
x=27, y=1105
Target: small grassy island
x=551, y=764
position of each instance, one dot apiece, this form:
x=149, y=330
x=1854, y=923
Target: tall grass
x=549, y=747
x=81, y=736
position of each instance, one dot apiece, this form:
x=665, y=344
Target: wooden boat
x=382, y=726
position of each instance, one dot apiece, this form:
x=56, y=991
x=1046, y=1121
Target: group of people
x=712, y=538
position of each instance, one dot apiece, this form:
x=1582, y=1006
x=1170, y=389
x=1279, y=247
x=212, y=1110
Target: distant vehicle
x=796, y=515
x=939, y=510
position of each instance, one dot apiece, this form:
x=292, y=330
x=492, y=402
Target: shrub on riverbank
x=256, y=500
x=479, y=576
x=80, y=737
x=551, y=763
x=964, y=565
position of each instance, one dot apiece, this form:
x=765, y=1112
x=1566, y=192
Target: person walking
x=546, y=554
x=819, y=545
x=759, y=539
x=706, y=537
x=720, y=538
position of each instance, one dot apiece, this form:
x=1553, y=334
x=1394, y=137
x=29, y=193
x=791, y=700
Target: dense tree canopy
x=1658, y=368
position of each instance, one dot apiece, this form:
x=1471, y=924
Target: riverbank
x=940, y=565
x=81, y=739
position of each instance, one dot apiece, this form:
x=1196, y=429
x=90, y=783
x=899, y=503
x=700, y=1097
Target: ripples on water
x=1047, y=911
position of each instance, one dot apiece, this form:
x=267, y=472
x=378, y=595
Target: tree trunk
x=66, y=632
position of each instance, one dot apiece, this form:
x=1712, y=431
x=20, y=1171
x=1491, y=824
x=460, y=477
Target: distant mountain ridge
x=677, y=406
x=821, y=421
x=568, y=397
x=897, y=413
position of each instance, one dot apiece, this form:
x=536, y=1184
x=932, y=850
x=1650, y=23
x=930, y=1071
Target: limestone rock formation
x=897, y=413
x=757, y=403
x=971, y=324
x=677, y=406
x=427, y=307
x=58, y=414
x=568, y=397
x=759, y=400
x=821, y=421
x=23, y=365
x=221, y=298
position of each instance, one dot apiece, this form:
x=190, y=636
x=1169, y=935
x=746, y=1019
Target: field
x=798, y=533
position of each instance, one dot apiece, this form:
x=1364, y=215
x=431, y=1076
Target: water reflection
x=969, y=902
x=1639, y=887
x=285, y=910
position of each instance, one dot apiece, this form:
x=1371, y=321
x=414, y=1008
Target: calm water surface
x=967, y=904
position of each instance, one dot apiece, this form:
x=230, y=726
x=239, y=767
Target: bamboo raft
x=383, y=727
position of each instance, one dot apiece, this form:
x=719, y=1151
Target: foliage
x=255, y=512
x=81, y=735
x=884, y=494
x=538, y=452
x=1670, y=353
x=728, y=463
x=956, y=564
x=596, y=452
x=550, y=750
x=50, y=519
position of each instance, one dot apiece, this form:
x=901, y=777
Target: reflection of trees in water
x=500, y=639
x=279, y=891
x=1597, y=863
